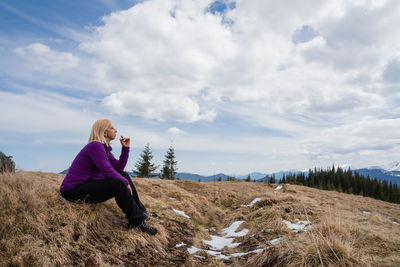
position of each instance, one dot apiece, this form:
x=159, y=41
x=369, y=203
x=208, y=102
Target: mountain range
x=389, y=172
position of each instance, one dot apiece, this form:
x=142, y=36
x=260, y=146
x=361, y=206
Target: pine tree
x=272, y=179
x=144, y=166
x=169, y=168
x=248, y=179
x=230, y=178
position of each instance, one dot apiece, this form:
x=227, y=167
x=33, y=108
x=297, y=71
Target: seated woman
x=96, y=176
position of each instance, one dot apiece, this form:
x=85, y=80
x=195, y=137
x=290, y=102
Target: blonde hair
x=98, y=129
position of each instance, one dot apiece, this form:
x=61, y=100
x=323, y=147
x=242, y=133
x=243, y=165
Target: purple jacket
x=93, y=161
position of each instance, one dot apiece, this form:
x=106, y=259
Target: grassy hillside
x=39, y=228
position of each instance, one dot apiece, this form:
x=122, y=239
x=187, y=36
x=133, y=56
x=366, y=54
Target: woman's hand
x=125, y=141
x=130, y=189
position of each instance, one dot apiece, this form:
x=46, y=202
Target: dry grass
x=39, y=228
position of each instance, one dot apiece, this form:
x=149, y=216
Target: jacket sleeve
x=120, y=164
x=99, y=156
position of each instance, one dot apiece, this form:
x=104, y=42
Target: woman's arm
x=99, y=156
x=120, y=164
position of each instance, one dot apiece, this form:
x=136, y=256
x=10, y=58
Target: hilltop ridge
x=215, y=224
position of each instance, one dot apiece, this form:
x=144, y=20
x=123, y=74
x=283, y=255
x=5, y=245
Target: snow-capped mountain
x=389, y=172
x=393, y=166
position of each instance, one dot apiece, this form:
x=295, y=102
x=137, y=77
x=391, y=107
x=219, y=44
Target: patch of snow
x=275, y=241
x=396, y=223
x=299, y=226
x=279, y=187
x=252, y=203
x=218, y=255
x=180, y=245
x=200, y=257
x=393, y=166
x=223, y=257
x=181, y=213
x=193, y=250
x=219, y=242
x=240, y=254
x=366, y=212
x=230, y=231
x=172, y=198
x=344, y=166
x=375, y=168
x=213, y=253
x=210, y=229
x=258, y=250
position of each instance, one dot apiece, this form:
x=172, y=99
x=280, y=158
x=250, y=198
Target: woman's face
x=110, y=133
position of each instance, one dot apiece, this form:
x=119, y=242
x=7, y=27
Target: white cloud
x=35, y=113
x=392, y=71
x=170, y=60
x=192, y=67
x=183, y=67
x=176, y=130
x=363, y=141
x=159, y=106
x=163, y=61
x=42, y=57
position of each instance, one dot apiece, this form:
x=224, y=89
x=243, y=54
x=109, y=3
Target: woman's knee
x=117, y=183
x=125, y=174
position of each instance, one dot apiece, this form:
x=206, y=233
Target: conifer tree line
x=146, y=169
x=347, y=181
x=270, y=179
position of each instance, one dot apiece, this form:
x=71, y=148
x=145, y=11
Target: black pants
x=98, y=191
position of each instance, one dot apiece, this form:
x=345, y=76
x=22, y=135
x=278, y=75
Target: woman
x=96, y=176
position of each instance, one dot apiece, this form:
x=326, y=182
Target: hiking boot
x=147, y=228
x=134, y=222
x=129, y=226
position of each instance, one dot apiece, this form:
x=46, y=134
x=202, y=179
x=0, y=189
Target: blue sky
x=236, y=86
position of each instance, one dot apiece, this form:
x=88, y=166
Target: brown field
x=39, y=228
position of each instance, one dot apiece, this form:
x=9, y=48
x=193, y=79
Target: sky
x=233, y=86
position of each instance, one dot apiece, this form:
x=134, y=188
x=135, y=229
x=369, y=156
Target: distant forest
x=335, y=178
